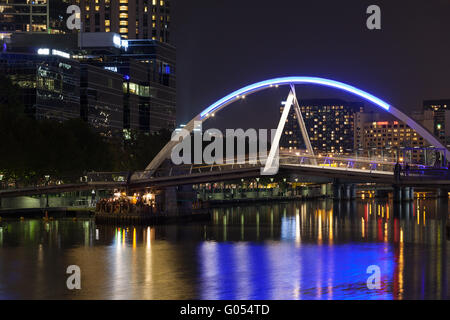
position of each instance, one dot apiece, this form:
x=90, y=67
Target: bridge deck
x=221, y=173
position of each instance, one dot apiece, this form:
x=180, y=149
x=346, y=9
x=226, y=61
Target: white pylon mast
x=302, y=125
x=291, y=100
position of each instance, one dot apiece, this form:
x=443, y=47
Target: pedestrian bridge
x=301, y=165
x=349, y=170
x=161, y=172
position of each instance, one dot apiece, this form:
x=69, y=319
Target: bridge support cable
x=302, y=126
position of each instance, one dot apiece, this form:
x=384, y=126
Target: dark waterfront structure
x=50, y=83
x=116, y=85
x=330, y=124
x=101, y=99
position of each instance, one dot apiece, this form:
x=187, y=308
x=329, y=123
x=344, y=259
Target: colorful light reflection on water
x=296, y=250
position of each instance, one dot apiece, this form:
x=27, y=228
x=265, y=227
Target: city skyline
x=402, y=63
x=228, y=151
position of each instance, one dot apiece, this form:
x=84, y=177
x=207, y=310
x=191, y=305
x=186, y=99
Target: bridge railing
x=375, y=165
x=88, y=178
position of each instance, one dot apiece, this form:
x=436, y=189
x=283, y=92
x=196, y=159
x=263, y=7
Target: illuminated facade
x=23, y=16
x=330, y=124
x=132, y=19
x=386, y=139
x=38, y=16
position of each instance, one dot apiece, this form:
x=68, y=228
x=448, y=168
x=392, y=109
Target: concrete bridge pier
x=179, y=200
x=323, y=190
x=170, y=200
x=305, y=192
x=337, y=191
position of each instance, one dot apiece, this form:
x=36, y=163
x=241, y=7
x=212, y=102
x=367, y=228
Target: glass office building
x=50, y=84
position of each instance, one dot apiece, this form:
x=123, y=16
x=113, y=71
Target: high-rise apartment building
x=436, y=119
x=392, y=139
x=37, y=16
x=330, y=124
x=132, y=19
x=23, y=16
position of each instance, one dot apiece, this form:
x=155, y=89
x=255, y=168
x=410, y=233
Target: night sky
x=224, y=45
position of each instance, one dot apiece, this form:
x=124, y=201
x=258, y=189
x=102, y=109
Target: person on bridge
x=397, y=170
x=407, y=169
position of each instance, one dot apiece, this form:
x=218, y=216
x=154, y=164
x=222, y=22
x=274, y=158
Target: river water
x=292, y=250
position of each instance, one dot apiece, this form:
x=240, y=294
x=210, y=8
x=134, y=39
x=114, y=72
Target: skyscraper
x=132, y=19
x=330, y=124
x=38, y=16
x=437, y=119
x=23, y=16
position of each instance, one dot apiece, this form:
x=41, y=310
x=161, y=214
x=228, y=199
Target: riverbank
x=33, y=213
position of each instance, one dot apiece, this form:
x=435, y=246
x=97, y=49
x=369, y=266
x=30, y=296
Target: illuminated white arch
x=241, y=93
